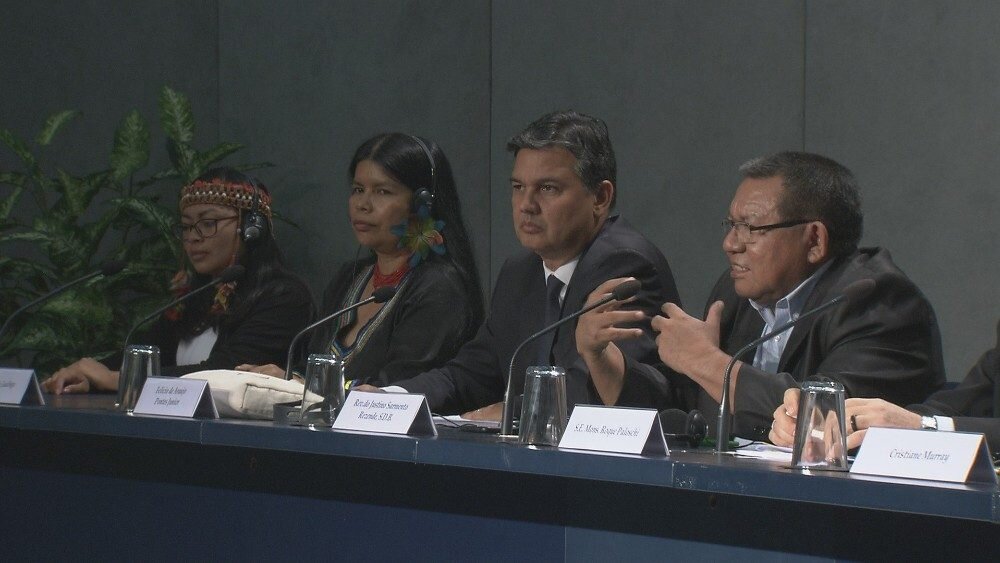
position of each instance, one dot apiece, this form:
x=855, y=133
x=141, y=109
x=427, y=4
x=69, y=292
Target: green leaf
x=176, y=116
x=148, y=213
x=9, y=202
x=77, y=193
x=92, y=233
x=20, y=148
x=36, y=335
x=25, y=236
x=22, y=151
x=183, y=158
x=17, y=269
x=53, y=124
x=131, y=148
x=63, y=243
x=161, y=175
x=85, y=306
x=215, y=154
x=13, y=178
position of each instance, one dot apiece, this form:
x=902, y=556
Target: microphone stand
x=108, y=269
x=722, y=432
x=381, y=295
x=622, y=291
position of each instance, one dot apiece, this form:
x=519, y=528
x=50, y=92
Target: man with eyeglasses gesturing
x=792, y=238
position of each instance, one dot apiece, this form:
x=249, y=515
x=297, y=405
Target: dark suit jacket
x=885, y=344
x=973, y=404
x=477, y=375
x=420, y=328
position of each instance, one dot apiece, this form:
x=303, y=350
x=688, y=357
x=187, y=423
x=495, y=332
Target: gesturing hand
x=598, y=328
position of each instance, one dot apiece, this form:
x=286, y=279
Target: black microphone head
x=697, y=427
x=232, y=273
x=673, y=421
x=383, y=294
x=112, y=267
x=859, y=289
x=626, y=290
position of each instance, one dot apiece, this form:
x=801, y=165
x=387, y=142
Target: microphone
x=230, y=274
x=852, y=292
x=690, y=427
x=380, y=295
x=621, y=292
x=106, y=269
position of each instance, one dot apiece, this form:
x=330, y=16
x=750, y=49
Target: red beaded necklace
x=389, y=280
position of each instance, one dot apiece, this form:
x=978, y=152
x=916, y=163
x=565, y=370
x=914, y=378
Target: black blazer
x=420, y=328
x=883, y=345
x=974, y=403
x=262, y=336
x=477, y=375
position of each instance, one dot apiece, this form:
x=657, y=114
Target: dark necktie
x=553, y=310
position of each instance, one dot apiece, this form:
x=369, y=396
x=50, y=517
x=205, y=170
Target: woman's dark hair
x=265, y=270
x=401, y=156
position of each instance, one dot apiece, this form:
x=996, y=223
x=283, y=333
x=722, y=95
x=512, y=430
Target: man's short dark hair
x=816, y=188
x=584, y=136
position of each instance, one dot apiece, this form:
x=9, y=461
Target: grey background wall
x=904, y=93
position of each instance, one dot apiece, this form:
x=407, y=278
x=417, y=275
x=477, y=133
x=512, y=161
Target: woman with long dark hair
x=404, y=208
x=225, y=220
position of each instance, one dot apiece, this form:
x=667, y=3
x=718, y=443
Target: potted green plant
x=56, y=227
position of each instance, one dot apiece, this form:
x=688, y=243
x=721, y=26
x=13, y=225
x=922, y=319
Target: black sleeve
x=972, y=404
x=473, y=378
x=264, y=334
x=427, y=328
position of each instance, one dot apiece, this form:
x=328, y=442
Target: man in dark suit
x=562, y=193
x=972, y=406
x=792, y=239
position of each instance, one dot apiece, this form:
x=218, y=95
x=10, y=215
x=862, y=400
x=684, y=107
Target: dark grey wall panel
x=905, y=94
x=104, y=58
x=688, y=92
x=307, y=82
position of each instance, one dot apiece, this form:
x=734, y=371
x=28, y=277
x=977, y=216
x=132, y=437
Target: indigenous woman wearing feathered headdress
x=225, y=220
x=404, y=209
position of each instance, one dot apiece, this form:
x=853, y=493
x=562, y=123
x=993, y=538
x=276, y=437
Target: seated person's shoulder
x=890, y=281
x=440, y=274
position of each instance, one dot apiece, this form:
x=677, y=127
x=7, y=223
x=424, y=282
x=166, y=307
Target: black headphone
x=678, y=426
x=425, y=196
x=255, y=225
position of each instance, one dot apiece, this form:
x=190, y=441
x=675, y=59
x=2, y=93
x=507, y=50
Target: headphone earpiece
x=255, y=225
x=424, y=197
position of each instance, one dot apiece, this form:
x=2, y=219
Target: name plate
x=957, y=457
x=614, y=429
x=20, y=387
x=171, y=396
x=387, y=413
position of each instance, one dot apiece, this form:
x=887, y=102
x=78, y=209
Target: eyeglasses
x=745, y=232
x=205, y=228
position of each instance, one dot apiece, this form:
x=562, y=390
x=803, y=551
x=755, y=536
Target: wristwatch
x=928, y=423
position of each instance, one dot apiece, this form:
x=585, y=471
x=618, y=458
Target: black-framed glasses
x=205, y=228
x=745, y=232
